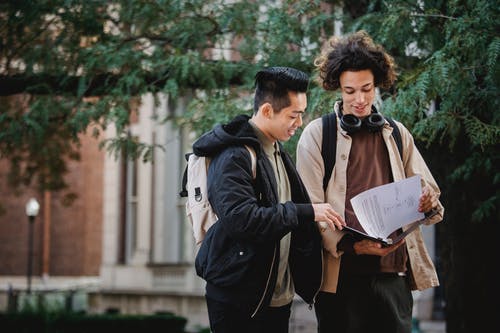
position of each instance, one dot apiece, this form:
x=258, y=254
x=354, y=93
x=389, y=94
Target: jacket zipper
x=319, y=288
x=267, y=286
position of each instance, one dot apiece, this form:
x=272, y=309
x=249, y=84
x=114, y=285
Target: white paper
x=386, y=208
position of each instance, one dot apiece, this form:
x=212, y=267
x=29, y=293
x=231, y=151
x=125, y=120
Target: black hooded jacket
x=240, y=254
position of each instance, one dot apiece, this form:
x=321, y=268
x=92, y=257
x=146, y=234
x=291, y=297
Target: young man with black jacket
x=265, y=245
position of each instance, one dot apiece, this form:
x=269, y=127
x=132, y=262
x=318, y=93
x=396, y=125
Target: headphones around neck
x=352, y=124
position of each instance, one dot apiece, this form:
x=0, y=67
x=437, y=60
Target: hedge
x=25, y=322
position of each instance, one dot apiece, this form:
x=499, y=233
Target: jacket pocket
x=221, y=260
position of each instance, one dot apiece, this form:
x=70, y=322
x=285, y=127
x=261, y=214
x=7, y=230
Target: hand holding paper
x=386, y=208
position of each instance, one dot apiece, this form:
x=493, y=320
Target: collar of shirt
x=268, y=146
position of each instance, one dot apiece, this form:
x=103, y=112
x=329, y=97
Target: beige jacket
x=311, y=169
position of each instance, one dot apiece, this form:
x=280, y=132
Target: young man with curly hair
x=366, y=287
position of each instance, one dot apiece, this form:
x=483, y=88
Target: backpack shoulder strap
x=397, y=136
x=329, y=145
x=184, y=193
x=253, y=158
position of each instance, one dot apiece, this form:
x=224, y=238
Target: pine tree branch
x=435, y=15
x=44, y=84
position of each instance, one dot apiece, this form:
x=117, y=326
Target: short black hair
x=272, y=85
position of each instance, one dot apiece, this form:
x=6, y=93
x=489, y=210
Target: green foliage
x=457, y=77
x=447, y=94
x=447, y=54
x=120, y=50
x=215, y=107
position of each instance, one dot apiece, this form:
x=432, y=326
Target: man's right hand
x=325, y=213
x=369, y=247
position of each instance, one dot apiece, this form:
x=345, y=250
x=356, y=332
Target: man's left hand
x=428, y=200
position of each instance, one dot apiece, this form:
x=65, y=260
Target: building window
x=129, y=208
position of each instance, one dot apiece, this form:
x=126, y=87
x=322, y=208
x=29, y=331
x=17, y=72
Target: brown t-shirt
x=368, y=167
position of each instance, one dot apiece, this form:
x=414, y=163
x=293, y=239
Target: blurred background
x=101, y=100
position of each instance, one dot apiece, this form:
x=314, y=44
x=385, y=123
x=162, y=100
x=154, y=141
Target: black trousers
x=371, y=303
x=231, y=318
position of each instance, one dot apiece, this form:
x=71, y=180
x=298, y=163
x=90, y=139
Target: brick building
x=67, y=238
x=125, y=232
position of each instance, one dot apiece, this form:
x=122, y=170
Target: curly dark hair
x=354, y=52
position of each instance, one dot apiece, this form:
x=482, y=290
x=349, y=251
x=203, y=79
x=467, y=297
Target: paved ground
x=303, y=321
x=432, y=327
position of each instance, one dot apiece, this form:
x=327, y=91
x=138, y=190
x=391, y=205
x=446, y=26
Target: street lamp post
x=32, y=208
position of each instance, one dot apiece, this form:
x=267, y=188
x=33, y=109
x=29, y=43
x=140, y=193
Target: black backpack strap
x=329, y=145
x=184, y=193
x=397, y=136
